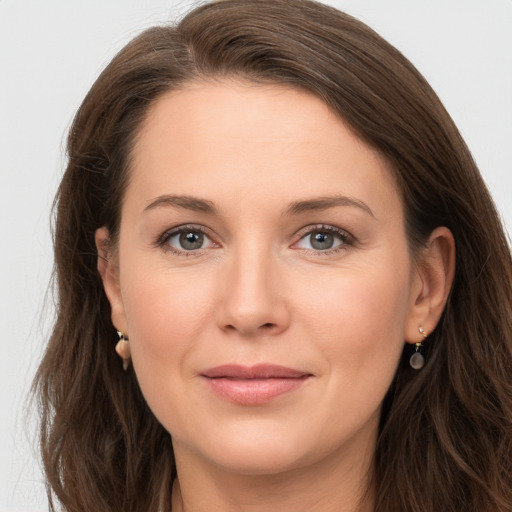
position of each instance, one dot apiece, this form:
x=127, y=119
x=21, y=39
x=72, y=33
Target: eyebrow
x=323, y=203
x=186, y=202
x=203, y=205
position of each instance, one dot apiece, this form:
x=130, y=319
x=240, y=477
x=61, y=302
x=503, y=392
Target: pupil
x=191, y=240
x=322, y=241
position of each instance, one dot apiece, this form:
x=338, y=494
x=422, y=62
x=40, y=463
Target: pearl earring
x=123, y=349
x=417, y=361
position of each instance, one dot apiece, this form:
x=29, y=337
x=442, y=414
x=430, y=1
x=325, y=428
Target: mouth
x=253, y=385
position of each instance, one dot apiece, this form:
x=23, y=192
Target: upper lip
x=259, y=371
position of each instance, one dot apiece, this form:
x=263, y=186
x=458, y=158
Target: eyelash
x=346, y=239
x=163, y=240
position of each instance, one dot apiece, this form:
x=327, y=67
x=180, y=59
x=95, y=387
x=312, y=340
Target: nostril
x=268, y=326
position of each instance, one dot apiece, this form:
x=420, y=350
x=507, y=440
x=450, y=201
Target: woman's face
x=263, y=277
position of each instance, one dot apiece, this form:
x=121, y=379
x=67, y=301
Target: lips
x=253, y=385
x=260, y=371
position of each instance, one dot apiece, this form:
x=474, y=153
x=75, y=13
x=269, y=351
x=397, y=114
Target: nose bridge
x=253, y=299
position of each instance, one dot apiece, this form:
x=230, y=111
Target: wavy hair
x=445, y=440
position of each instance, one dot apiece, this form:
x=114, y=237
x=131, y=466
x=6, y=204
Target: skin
x=258, y=291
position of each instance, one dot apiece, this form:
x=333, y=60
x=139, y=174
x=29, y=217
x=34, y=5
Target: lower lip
x=254, y=391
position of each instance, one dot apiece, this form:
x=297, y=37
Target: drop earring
x=123, y=349
x=417, y=361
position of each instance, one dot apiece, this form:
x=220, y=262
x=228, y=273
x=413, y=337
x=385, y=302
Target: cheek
x=357, y=325
x=359, y=318
x=163, y=300
x=166, y=314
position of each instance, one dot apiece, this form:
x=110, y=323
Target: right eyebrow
x=186, y=202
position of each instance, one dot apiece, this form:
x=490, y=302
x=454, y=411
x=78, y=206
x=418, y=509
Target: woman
x=270, y=215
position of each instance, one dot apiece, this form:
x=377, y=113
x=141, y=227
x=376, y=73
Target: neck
x=337, y=483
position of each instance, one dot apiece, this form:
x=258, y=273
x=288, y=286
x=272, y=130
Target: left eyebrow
x=324, y=203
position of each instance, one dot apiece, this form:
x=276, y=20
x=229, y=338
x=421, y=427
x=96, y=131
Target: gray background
x=51, y=52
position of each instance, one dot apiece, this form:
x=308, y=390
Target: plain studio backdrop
x=50, y=54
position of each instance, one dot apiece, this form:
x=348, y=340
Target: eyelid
x=347, y=238
x=344, y=235
x=169, y=233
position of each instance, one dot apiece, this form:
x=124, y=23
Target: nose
x=253, y=298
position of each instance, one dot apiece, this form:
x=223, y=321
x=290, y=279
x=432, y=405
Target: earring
x=123, y=349
x=417, y=360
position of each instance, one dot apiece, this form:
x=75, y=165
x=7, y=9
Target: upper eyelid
x=306, y=230
x=299, y=235
x=347, y=240
x=168, y=233
x=162, y=242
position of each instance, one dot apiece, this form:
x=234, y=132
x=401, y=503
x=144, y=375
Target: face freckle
x=259, y=235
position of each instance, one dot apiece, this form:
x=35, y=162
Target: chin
x=257, y=460
x=261, y=449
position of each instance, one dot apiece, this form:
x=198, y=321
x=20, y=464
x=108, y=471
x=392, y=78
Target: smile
x=255, y=385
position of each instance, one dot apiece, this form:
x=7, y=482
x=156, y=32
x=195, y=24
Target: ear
x=431, y=283
x=108, y=267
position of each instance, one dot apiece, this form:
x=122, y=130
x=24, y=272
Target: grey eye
x=191, y=240
x=321, y=241
x=188, y=240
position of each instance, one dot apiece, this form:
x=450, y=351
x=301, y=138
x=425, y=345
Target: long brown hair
x=445, y=441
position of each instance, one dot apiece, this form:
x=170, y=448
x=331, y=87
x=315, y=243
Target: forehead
x=233, y=138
